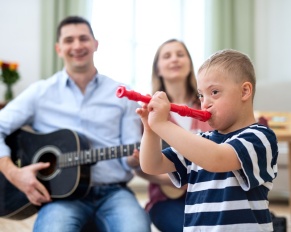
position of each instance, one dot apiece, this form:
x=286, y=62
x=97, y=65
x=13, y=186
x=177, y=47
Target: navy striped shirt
x=230, y=201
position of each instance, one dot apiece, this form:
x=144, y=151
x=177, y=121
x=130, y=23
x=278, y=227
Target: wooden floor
x=7, y=225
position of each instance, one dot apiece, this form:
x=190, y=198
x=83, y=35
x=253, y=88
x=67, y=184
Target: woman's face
x=173, y=62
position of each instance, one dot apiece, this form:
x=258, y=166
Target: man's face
x=76, y=46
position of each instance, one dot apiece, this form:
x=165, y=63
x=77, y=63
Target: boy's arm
x=152, y=161
x=207, y=154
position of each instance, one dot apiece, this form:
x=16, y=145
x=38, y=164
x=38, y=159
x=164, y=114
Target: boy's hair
x=158, y=81
x=234, y=63
x=73, y=20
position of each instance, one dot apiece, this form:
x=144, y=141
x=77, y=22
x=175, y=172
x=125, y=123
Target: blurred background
x=130, y=31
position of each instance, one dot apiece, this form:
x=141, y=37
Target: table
x=280, y=123
x=2, y=105
x=285, y=136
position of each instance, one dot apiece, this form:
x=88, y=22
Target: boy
x=229, y=170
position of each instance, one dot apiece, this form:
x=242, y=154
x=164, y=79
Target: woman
x=173, y=73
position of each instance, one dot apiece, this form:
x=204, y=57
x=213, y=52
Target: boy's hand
x=159, y=108
x=144, y=113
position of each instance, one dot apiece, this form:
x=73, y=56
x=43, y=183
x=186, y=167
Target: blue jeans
x=114, y=208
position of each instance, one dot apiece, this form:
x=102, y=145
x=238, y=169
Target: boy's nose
x=205, y=104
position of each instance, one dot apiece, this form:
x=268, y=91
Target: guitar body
x=28, y=148
x=169, y=190
x=14, y=203
x=172, y=192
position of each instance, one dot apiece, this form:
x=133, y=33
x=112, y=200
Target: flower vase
x=8, y=93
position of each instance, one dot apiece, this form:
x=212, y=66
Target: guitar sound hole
x=52, y=159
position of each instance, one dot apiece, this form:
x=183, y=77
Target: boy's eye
x=199, y=95
x=214, y=92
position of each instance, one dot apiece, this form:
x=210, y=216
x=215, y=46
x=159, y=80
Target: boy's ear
x=247, y=90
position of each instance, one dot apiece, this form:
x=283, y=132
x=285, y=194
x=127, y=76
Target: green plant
x=9, y=75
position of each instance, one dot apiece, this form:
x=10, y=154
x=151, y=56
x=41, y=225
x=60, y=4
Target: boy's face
x=221, y=96
x=76, y=46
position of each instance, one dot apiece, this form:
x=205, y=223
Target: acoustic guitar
x=172, y=192
x=68, y=176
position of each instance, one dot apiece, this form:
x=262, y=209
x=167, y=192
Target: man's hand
x=133, y=160
x=25, y=180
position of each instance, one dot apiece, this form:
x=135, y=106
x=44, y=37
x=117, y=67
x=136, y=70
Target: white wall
x=273, y=36
x=20, y=40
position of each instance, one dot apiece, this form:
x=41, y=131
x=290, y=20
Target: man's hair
x=233, y=63
x=158, y=81
x=73, y=20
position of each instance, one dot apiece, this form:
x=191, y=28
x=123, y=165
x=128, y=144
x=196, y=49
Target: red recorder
x=201, y=115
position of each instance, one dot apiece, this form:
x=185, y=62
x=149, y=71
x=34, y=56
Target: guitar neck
x=94, y=155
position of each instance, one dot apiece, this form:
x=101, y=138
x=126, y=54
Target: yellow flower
x=13, y=66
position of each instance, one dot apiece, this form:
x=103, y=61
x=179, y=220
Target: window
x=130, y=31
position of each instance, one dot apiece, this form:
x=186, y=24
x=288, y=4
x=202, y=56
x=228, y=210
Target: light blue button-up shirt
x=103, y=118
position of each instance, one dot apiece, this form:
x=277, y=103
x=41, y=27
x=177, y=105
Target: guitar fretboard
x=94, y=155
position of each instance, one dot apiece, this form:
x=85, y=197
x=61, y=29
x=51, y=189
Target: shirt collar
x=67, y=80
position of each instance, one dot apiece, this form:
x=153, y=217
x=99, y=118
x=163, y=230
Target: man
x=81, y=99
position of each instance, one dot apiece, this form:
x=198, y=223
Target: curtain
x=52, y=12
x=229, y=24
